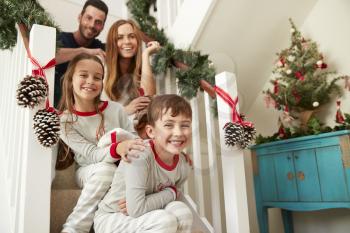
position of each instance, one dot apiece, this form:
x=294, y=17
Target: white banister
x=234, y=182
x=197, y=158
x=213, y=166
x=25, y=165
x=37, y=160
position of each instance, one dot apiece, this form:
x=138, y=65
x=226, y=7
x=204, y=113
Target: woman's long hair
x=66, y=106
x=130, y=82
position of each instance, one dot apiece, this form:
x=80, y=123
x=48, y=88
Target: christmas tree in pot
x=301, y=85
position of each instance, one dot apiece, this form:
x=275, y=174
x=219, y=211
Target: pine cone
x=46, y=126
x=31, y=91
x=234, y=133
x=249, y=134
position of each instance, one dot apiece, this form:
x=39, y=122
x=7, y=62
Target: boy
x=152, y=182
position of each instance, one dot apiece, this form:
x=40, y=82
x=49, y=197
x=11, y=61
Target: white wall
x=65, y=13
x=327, y=24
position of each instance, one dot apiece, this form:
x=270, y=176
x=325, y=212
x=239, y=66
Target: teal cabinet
x=301, y=174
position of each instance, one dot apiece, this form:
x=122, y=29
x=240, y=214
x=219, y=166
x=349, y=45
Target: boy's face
x=170, y=134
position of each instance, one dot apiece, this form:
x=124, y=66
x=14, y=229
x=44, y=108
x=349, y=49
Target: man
x=91, y=22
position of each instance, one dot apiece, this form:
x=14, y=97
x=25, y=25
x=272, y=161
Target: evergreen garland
x=27, y=12
x=195, y=66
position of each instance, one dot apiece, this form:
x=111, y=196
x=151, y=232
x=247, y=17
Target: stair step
x=65, y=179
x=62, y=204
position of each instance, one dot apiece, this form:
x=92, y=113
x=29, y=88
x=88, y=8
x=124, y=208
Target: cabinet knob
x=290, y=176
x=296, y=156
x=301, y=175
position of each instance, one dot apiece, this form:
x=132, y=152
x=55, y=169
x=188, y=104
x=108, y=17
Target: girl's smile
x=87, y=81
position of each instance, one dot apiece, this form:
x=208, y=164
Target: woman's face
x=127, y=42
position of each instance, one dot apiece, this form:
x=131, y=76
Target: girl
x=84, y=120
x=129, y=73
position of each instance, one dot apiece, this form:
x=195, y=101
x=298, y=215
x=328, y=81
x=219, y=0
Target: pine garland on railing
x=192, y=66
x=14, y=12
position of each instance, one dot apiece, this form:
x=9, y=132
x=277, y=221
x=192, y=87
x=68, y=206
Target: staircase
x=215, y=190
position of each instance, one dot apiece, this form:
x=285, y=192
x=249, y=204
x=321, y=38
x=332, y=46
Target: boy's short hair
x=97, y=4
x=163, y=103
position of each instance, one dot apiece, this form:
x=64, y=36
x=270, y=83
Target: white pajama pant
x=176, y=217
x=95, y=180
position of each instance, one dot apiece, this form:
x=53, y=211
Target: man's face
x=91, y=22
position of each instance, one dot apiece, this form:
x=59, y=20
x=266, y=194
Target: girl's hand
x=137, y=104
x=122, y=206
x=130, y=148
x=152, y=47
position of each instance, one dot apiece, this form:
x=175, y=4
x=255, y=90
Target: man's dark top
x=66, y=40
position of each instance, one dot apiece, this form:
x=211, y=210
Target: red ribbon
x=41, y=73
x=232, y=103
x=40, y=69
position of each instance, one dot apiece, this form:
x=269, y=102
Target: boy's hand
x=130, y=148
x=122, y=206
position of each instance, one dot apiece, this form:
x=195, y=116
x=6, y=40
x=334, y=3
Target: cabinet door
x=285, y=177
x=331, y=174
x=267, y=178
x=307, y=175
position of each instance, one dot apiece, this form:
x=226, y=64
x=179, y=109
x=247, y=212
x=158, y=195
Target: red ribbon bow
x=232, y=103
x=40, y=69
x=40, y=72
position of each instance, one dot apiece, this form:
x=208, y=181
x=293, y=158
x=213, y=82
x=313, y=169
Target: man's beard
x=81, y=30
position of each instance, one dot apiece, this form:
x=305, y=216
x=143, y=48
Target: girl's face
x=127, y=41
x=87, y=80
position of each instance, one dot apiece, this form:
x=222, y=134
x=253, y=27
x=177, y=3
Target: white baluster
x=234, y=182
x=213, y=166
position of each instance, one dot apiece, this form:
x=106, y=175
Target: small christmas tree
x=301, y=82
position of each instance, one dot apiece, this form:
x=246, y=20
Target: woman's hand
x=137, y=104
x=152, y=47
x=122, y=206
x=130, y=148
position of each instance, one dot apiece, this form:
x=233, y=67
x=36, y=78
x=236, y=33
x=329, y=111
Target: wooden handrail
x=24, y=32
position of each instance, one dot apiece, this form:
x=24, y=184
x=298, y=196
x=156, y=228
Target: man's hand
x=97, y=52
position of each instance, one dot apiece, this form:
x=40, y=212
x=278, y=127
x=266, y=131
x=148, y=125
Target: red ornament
x=281, y=132
x=339, y=118
x=323, y=66
x=299, y=76
x=296, y=96
x=282, y=61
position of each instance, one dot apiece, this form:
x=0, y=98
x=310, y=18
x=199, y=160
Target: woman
x=129, y=74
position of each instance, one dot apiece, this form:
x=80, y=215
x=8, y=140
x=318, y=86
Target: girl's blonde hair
x=66, y=105
x=113, y=84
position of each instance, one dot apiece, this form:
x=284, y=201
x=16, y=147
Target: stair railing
x=26, y=166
